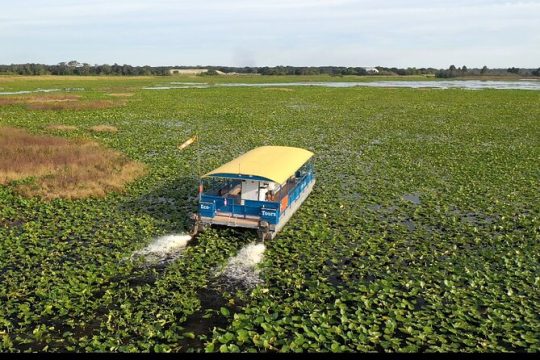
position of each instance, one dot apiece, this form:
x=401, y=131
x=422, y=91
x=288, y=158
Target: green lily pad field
x=422, y=233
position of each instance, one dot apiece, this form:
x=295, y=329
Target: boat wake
x=163, y=249
x=241, y=270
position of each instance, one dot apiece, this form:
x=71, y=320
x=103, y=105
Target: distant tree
x=484, y=70
x=442, y=74
x=360, y=71
x=105, y=69
x=63, y=69
x=84, y=69
x=265, y=70
x=210, y=72
x=126, y=70
x=513, y=70
x=536, y=72
x=146, y=70
x=452, y=71
x=73, y=63
x=116, y=69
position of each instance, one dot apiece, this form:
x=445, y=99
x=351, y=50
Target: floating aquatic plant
x=421, y=234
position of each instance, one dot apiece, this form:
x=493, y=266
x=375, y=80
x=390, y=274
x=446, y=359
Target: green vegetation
x=421, y=234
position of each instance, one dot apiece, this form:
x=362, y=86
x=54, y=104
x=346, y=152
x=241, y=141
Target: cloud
x=247, y=32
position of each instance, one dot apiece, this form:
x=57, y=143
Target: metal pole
x=199, y=163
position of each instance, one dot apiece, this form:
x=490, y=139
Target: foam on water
x=241, y=269
x=164, y=247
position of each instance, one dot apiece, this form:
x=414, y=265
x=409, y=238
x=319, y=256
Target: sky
x=391, y=33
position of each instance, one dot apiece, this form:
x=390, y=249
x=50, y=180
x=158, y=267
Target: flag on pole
x=188, y=142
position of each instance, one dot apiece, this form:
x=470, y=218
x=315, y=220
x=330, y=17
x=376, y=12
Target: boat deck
x=228, y=220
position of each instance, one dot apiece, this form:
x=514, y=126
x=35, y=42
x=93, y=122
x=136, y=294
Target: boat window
x=300, y=173
x=222, y=187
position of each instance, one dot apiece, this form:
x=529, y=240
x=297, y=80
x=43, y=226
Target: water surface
x=38, y=91
x=525, y=84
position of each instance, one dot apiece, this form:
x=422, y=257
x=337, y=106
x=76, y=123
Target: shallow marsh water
x=525, y=84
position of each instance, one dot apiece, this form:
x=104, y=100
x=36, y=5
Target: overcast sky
x=415, y=33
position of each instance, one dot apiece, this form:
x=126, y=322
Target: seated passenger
x=235, y=191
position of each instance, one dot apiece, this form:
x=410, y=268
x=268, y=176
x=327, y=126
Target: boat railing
x=237, y=207
x=295, y=192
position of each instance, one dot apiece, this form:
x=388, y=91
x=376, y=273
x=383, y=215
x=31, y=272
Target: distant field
x=16, y=82
x=421, y=234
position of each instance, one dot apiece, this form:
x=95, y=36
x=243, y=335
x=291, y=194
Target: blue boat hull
x=268, y=219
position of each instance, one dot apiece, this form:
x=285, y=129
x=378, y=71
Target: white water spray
x=163, y=248
x=241, y=269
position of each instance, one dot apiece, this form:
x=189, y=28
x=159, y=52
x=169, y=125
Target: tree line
x=454, y=71
x=74, y=67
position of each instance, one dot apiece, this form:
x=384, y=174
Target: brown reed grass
x=62, y=168
x=104, y=128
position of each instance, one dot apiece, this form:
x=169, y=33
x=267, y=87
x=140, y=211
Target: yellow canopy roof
x=275, y=163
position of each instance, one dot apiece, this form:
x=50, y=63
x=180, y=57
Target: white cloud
x=303, y=32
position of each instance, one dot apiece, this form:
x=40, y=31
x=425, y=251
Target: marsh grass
x=53, y=167
x=78, y=105
x=121, y=94
x=60, y=102
x=38, y=99
x=104, y=128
